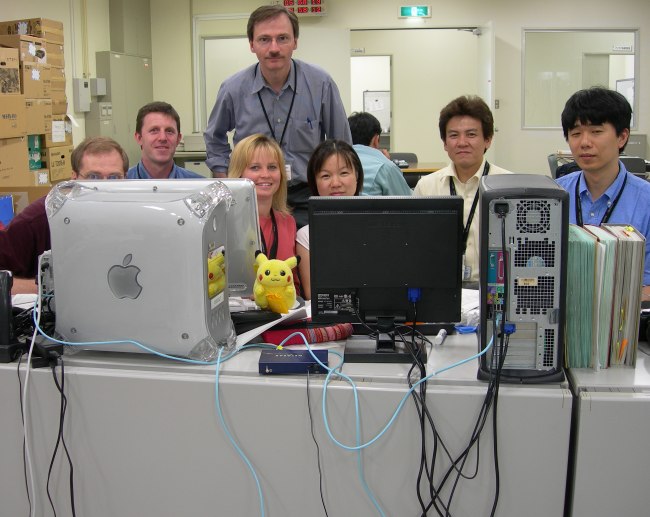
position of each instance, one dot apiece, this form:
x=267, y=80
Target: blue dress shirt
x=633, y=207
x=139, y=172
x=381, y=177
x=317, y=113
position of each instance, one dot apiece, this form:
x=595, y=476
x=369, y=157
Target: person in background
x=28, y=233
x=259, y=159
x=295, y=103
x=334, y=169
x=466, y=128
x=596, y=125
x=158, y=133
x=381, y=177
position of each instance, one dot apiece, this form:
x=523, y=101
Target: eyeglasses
x=265, y=41
x=98, y=176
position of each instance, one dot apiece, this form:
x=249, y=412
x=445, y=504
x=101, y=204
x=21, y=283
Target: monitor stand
x=382, y=349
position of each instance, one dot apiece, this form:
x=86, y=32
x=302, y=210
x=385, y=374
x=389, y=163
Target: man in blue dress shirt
x=158, y=132
x=381, y=177
x=596, y=125
x=296, y=103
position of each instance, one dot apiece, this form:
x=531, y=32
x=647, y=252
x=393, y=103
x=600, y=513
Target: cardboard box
x=13, y=116
x=54, y=54
x=24, y=196
x=9, y=71
x=39, y=116
x=30, y=48
x=57, y=79
x=35, y=80
x=40, y=178
x=58, y=161
x=50, y=30
x=60, y=134
x=59, y=103
x=13, y=162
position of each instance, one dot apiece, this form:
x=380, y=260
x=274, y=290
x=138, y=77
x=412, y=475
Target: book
x=629, y=272
x=6, y=210
x=604, y=291
x=580, y=307
x=605, y=267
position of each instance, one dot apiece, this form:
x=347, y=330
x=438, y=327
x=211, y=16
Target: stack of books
x=604, y=279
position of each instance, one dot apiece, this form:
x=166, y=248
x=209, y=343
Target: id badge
x=287, y=171
x=467, y=270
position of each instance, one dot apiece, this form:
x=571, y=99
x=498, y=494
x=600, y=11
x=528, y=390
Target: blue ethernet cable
x=362, y=477
x=146, y=348
x=232, y=439
x=336, y=371
x=332, y=371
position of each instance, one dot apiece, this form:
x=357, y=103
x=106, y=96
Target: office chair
x=552, y=163
x=412, y=179
x=566, y=168
x=635, y=165
x=411, y=158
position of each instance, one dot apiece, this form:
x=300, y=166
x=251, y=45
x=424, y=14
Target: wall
x=418, y=92
x=516, y=149
x=564, y=53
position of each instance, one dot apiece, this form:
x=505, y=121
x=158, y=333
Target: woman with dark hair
x=334, y=169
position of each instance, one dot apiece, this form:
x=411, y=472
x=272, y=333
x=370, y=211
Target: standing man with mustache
x=596, y=125
x=295, y=103
x=466, y=127
x=158, y=133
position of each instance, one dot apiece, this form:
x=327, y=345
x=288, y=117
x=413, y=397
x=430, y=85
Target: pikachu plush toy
x=274, y=289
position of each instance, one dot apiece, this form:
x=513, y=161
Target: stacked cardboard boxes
x=35, y=133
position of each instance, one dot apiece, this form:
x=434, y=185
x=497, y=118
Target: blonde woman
x=260, y=159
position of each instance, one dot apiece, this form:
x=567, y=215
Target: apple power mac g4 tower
x=523, y=256
x=144, y=261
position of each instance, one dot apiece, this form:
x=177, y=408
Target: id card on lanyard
x=466, y=269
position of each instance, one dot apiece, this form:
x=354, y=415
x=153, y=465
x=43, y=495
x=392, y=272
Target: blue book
x=6, y=209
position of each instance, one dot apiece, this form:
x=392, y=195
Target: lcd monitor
x=384, y=261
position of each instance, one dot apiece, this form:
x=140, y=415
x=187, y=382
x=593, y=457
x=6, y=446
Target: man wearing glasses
x=158, y=133
x=296, y=103
x=28, y=234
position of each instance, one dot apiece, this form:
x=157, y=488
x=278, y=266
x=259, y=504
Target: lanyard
x=293, y=98
x=609, y=210
x=139, y=173
x=452, y=191
x=273, y=252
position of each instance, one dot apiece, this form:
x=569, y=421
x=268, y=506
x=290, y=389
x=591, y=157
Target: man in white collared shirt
x=466, y=128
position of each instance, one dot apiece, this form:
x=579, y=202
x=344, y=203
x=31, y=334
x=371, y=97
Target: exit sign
x=415, y=11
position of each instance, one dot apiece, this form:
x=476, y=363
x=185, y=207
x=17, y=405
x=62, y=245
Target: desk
x=193, y=161
x=415, y=171
x=423, y=168
x=145, y=439
x=611, y=455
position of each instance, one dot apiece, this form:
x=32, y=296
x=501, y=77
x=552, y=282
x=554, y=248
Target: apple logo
x=123, y=280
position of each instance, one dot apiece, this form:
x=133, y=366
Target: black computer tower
x=528, y=213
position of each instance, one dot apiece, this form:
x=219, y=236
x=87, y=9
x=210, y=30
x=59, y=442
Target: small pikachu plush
x=274, y=289
x=216, y=273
